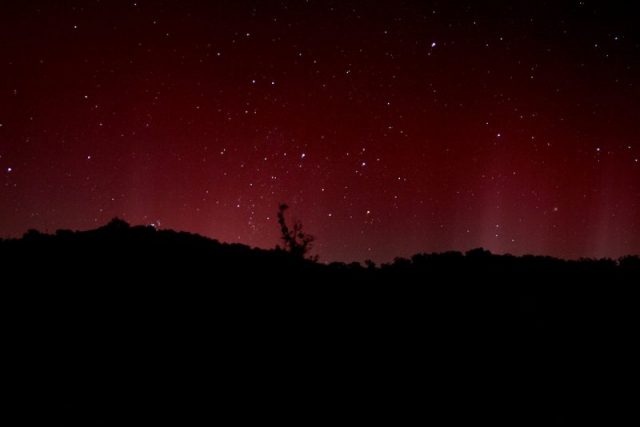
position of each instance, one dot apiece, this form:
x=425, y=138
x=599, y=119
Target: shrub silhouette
x=296, y=242
x=122, y=311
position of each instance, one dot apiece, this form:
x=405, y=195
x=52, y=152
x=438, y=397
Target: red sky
x=389, y=128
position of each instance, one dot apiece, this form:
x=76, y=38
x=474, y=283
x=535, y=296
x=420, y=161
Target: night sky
x=389, y=127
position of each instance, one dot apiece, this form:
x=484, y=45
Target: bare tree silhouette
x=296, y=241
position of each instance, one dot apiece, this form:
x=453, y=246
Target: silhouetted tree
x=296, y=241
x=33, y=235
x=117, y=224
x=119, y=281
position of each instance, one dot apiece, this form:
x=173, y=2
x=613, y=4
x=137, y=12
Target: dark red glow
x=389, y=127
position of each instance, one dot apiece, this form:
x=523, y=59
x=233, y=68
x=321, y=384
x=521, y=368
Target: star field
x=388, y=127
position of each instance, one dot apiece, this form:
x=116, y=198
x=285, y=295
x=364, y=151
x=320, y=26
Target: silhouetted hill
x=124, y=325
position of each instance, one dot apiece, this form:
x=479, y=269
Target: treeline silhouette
x=119, y=247
x=135, y=325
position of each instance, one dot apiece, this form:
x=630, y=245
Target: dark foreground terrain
x=130, y=325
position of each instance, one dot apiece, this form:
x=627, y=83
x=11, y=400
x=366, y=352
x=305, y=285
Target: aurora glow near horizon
x=389, y=127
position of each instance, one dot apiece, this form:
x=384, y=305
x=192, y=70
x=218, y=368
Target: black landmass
x=131, y=325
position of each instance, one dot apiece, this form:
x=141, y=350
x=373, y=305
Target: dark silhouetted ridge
x=135, y=325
